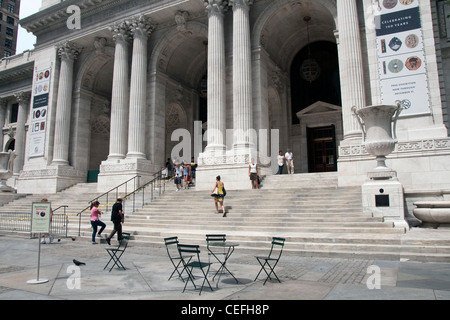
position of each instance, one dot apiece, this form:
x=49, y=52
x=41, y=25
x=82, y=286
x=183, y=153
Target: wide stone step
x=256, y=219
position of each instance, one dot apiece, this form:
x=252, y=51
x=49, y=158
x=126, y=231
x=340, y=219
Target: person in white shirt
x=178, y=174
x=280, y=162
x=253, y=174
x=289, y=161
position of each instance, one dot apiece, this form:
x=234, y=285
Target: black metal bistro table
x=228, y=249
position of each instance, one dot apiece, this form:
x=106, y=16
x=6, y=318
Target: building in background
x=9, y=23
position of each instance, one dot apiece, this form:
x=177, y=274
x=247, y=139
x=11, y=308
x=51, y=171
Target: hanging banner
x=401, y=58
x=39, y=111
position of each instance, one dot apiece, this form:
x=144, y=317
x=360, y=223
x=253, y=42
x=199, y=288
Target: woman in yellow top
x=219, y=196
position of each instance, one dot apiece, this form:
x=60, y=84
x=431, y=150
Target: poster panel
x=38, y=128
x=400, y=51
x=40, y=217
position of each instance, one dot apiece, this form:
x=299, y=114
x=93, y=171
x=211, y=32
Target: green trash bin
x=93, y=175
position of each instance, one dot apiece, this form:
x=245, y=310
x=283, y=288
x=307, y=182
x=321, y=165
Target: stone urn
x=6, y=169
x=378, y=124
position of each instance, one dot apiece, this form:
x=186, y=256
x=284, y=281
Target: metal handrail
x=156, y=176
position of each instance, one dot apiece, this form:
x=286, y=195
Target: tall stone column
x=118, y=143
x=242, y=77
x=216, y=77
x=68, y=53
x=141, y=28
x=351, y=66
x=23, y=98
x=3, y=105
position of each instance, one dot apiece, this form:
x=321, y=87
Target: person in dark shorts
x=193, y=170
x=178, y=174
x=117, y=218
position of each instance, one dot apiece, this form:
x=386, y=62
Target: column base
x=49, y=180
x=117, y=171
x=232, y=166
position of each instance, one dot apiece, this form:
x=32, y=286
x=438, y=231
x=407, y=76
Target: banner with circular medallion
x=401, y=58
x=38, y=128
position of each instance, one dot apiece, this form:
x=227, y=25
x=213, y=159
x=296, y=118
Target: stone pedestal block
x=384, y=198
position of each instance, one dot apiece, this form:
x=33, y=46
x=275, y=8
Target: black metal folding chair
x=271, y=261
x=217, y=238
x=174, y=256
x=189, y=251
x=116, y=253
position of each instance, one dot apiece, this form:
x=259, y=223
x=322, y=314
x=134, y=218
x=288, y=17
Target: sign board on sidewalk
x=40, y=217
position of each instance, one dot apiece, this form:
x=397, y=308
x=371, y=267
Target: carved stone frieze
x=401, y=147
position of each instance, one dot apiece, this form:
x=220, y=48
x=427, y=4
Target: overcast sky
x=26, y=40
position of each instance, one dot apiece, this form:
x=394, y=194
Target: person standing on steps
x=95, y=221
x=193, y=170
x=178, y=174
x=253, y=173
x=289, y=161
x=280, y=162
x=117, y=217
x=186, y=174
x=219, y=196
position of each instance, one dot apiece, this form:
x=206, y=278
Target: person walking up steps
x=219, y=196
x=95, y=221
x=117, y=217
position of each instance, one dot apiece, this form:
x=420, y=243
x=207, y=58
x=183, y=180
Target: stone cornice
x=24, y=71
x=55, y=17
x=58, y=13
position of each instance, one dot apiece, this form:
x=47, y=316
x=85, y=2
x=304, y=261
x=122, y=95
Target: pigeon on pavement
x=78, y=263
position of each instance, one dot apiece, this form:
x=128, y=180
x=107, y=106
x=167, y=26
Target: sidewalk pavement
x=148, y=268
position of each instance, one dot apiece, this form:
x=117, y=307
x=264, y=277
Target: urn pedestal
x=6, y=170
x=382, y=193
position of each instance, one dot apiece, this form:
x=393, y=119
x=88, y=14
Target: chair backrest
x=169, y=242
x=277, y=247
x=187, y=250
x=123, y=244
x=216, y=238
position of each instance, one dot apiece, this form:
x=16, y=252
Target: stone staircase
x=76, y=198
x=316, y=217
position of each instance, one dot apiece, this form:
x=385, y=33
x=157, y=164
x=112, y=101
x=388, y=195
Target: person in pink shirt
x=95, y=221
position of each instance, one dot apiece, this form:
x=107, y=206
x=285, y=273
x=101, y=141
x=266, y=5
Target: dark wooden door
x=322, y=149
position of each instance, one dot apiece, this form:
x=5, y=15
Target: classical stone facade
x=230, y=80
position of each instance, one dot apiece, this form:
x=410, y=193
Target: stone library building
x=356, y=89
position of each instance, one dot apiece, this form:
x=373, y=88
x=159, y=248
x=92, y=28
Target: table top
x=222, y=244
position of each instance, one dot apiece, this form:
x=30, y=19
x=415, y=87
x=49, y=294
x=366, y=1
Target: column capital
x=121, y=31
x=241, y=3
x=3, y=102
x=68, y=51
x=215, y=6
x=22, y=97
x=141, y=26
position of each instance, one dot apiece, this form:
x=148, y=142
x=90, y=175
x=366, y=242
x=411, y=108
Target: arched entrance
x=178, y=67
x=92, y=110
x=291, y=32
